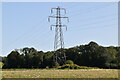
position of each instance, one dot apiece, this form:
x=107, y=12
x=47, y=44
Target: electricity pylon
x=59, y=55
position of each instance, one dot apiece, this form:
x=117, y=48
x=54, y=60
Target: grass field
x=51, y=73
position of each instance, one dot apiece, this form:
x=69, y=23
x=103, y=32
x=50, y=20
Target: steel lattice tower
x=59, y=55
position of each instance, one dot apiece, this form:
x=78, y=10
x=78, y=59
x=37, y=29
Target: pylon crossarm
x=66, y=18
x=64, y=26
x=51, y=17
x=64, y=10
x=52, y=10
x=52, y=26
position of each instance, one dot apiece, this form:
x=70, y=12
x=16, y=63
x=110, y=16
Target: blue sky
x=25, y=24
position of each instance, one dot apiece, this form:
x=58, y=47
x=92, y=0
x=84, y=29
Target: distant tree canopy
x=0, y=58
x=91, y=55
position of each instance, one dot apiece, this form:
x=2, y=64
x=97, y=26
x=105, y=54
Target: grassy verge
x=53, y=73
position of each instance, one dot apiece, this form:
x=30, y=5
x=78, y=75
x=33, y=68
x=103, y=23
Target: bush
x=1, y=64
x=118, y=65
x=74, y=66
x=69, y=62
x=113, y=66
x=56, y=65
x=70, y=66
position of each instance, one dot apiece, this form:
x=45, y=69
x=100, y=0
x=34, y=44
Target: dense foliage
x=69, y=62
x=90, y=55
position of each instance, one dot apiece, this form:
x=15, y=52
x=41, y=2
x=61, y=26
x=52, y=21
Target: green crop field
x=56, y=73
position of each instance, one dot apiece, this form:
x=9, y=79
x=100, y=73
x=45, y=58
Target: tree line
x=90, y=55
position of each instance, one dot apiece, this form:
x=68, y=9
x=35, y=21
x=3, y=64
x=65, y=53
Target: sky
x=25, y=24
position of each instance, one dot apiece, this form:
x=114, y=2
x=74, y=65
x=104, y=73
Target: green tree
x=28, y=50
x=28, y=60
x=38, y=59
x=13, y=60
